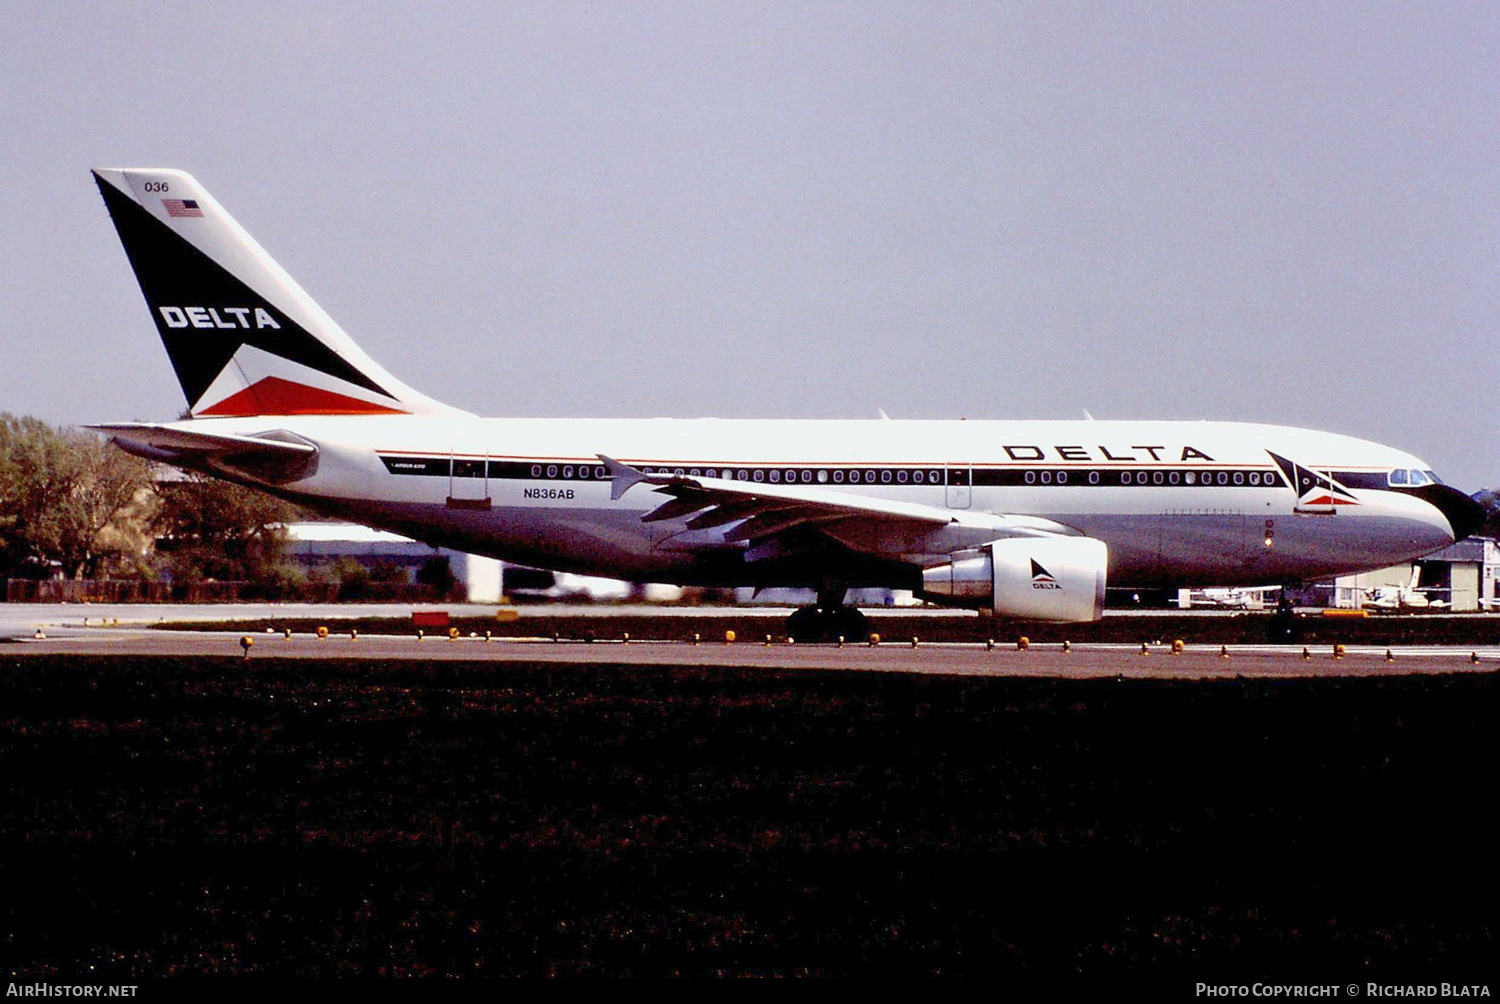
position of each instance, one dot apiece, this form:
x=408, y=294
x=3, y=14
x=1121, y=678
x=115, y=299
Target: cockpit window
x=1413, y=478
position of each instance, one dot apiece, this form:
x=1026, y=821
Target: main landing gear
x=828, y=620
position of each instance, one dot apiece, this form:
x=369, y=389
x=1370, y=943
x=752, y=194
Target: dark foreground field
x=291, y=817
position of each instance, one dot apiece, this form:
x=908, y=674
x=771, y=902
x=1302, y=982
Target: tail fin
x=244, y=338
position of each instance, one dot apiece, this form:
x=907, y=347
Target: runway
x=961, y=659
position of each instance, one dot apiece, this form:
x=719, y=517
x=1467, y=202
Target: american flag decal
x=182, y=207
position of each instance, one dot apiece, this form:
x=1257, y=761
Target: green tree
x=1489, y=498
x=68, y=497
x=212, y=529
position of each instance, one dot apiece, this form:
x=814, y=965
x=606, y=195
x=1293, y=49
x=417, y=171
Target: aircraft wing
x=768, y=510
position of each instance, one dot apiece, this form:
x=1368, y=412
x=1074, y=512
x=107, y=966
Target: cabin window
x=916, y=477
x=1031, y=477
x=1190, y=477
x=1093, y=477
x=536, y=470
x=761, y=475
x=1156, y=477
x=822, y=477
x=1046, y=477
x=838, y=477
x=551, y=470
x=885, y=477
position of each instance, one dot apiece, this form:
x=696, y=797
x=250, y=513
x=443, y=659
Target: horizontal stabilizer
x=160, y=441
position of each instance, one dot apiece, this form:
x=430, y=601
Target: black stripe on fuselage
x=1041, y=476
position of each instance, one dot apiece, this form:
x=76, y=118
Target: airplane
x=1238, y=598
x=1408, y=597
x=1020, y=519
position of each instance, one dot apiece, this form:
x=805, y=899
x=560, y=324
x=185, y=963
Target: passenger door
x=468, y=477
x=958, y=480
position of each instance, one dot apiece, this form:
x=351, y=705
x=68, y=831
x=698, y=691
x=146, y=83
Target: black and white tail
x=244, y=338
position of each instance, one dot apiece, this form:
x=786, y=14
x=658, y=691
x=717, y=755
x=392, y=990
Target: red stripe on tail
x=275, y=396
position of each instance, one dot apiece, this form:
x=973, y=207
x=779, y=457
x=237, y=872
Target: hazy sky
x=1257, y=211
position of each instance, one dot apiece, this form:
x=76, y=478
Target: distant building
x=1464, y=574
x=314, y=545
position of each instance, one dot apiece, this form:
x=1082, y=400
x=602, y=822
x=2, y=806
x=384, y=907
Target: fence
x=135, y=591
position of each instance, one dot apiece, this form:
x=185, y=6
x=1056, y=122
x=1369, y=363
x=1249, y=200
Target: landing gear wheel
x=814, y=624
x=850, y=624
x=1283, y=627
x=805, y=624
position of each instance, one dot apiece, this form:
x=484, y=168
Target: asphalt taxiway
x=1079, y=661
x=128, y=630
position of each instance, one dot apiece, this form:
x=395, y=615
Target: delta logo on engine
x=1041, y=578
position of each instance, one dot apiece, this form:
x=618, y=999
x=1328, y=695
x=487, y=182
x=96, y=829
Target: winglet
x=622, y=477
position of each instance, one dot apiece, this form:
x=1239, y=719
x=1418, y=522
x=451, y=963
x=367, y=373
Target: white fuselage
x=1183, y=503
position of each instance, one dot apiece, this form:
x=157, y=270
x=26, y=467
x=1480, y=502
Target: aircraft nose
x=1463, y=513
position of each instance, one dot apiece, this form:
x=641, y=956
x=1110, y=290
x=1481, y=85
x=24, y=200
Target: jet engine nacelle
x=1051, y=579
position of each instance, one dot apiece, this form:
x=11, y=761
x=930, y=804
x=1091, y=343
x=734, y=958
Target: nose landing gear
x=1283, y=628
